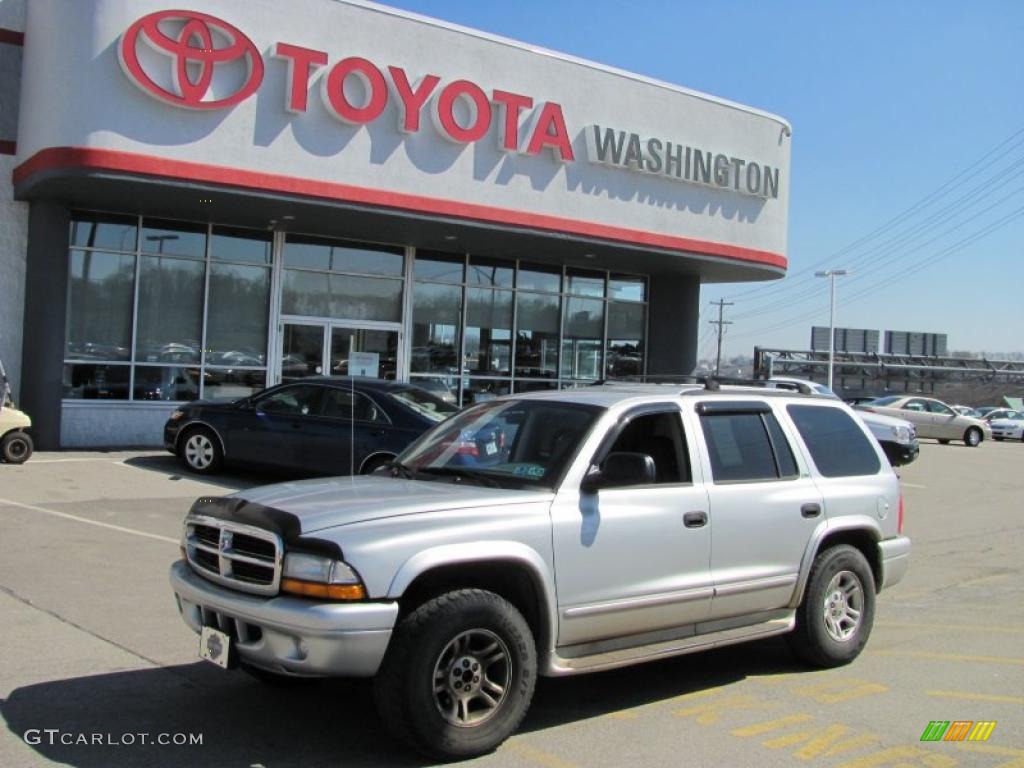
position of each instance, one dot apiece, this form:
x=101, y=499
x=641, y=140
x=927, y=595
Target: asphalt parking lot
x=92, y=645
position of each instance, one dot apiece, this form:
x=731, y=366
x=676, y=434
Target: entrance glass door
x=314, y=348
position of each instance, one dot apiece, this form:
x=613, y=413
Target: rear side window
x=837, y=444
x=747, y=447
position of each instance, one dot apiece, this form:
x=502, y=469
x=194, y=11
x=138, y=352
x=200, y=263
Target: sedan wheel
x=200, y=452
x=972, y=437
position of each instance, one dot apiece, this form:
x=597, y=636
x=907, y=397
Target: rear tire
x=16, y=447
x=458, y=676
x=973, y=437
x=834, y=620
x=199, y=451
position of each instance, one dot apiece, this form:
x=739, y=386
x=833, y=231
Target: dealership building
x=202, y=198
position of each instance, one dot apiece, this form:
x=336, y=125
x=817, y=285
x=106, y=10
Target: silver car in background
x=932, y=418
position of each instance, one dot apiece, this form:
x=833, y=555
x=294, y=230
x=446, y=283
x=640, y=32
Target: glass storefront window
x=247, y=245
x=482, y=390
x=582, y=334
x=222, y=384
x=525, y=385
x=627, y=288
x=237, y=311
x=166, y=383
x=344, y=297
x=99, y=313
x=303, y=252
x=488, y=331
x=96, y=382
x=169, y=325
x=537, y=278
x=625, y=339
x=584, y=283
x=436, y=317
x=439, y=267
x=107, y=232
x=490, y=273
x=537, y=335
x=173, y=238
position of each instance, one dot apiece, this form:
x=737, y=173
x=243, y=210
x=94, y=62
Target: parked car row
x=931, y=418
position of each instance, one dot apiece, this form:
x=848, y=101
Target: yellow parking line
x=952, y=657
x=986, y=628
x=977, y=697
x=538, y=756
x=771, y=725
x=992, y=749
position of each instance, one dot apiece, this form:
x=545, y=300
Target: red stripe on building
x=58, y=158
x=11, y=37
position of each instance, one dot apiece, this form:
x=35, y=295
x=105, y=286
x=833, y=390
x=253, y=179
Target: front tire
x=16, y=447
x=458, y=676
x=973, y=437
x=834, y=620
x=199, y=451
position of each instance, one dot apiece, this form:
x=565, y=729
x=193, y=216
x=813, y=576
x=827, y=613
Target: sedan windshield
x=883, y=400
x=508, y=443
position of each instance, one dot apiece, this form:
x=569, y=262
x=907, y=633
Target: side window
x=915, y=405
x=837, y=444
x=660, y=436
x=936, y=407
x=296, y=401
x=343, y=404
x=747, y=447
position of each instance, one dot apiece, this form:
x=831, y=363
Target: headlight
x=903, y=434
x=317, y=576
x=177, y=415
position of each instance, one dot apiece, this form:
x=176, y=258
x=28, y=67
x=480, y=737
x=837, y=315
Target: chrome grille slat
x=234, y=555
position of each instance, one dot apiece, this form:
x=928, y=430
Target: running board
x=559, y=666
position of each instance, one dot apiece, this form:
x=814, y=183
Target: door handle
x=695, y=519
x=810, y=510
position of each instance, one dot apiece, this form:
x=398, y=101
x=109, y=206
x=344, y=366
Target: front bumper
x=900, y=453
x=895, y=556
x=171, y=429
x=289, y=635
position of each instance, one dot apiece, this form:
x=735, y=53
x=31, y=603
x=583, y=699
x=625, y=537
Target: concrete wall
x=13, y=215
x=113, y=425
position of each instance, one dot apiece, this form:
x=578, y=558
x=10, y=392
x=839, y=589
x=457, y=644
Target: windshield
x=424, y=403
x=509, y=443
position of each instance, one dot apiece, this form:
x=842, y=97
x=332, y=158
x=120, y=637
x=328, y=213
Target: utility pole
x=721, y=304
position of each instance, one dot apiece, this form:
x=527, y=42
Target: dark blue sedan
x=324, y=425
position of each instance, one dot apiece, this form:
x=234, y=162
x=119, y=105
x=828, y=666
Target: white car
x=1008, y=427
x=898, y=437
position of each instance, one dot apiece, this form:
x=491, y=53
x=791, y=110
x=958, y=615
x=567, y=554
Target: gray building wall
x=13, y=215
x=672, y=325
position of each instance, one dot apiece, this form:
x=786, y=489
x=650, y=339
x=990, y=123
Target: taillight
x=899, y=517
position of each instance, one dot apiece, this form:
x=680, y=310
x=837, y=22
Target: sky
x=907, y=155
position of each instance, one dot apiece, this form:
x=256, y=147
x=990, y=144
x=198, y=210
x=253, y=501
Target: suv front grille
x=242, y=557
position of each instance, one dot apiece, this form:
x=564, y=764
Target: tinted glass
x=783, y=450
x=173, y=238
x=345, y=404
x=624, y=288
x=423, y=403
x=540, y=279
x=660, y=436
x=248, y=245
x=582, y=331
x=625, y=339
x=232, y=384
x=96, y=382
x=583, y=283
x=444, y=269
x=294, y=401
x=537, y=335
x=489, y=273
x=436, y=318
x=236, y=330
x=99, y=230
x=837, y=444
x=883, y=400
x=152, y=383
x=488, y=331
x=170, y=313
x=99, y=320
x=342, y=256
x=345, y=297
x=739, y=447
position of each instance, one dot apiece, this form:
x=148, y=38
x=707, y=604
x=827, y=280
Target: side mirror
x=619, y=469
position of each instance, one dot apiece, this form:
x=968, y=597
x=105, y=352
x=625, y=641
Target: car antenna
x=351, y=424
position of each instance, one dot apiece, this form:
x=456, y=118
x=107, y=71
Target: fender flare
x=858, y=523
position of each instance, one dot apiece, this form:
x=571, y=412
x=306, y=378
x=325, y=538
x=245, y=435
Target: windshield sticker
x=529, y=470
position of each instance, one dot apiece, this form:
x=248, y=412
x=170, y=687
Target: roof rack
x=713, y=383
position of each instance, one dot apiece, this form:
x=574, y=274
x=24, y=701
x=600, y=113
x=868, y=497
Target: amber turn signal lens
x=323, y=591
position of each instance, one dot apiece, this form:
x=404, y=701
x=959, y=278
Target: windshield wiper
x=458, y=474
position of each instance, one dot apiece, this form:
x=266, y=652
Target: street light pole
x=831, y=274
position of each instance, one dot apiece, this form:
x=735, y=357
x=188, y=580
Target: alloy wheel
x=843, y=606
x=472, y=677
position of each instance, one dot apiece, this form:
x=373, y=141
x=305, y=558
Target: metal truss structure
x=889, y=373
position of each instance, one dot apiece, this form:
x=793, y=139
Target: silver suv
x=553, y=534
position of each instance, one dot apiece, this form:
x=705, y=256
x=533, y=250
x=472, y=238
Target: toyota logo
x=195, y=45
